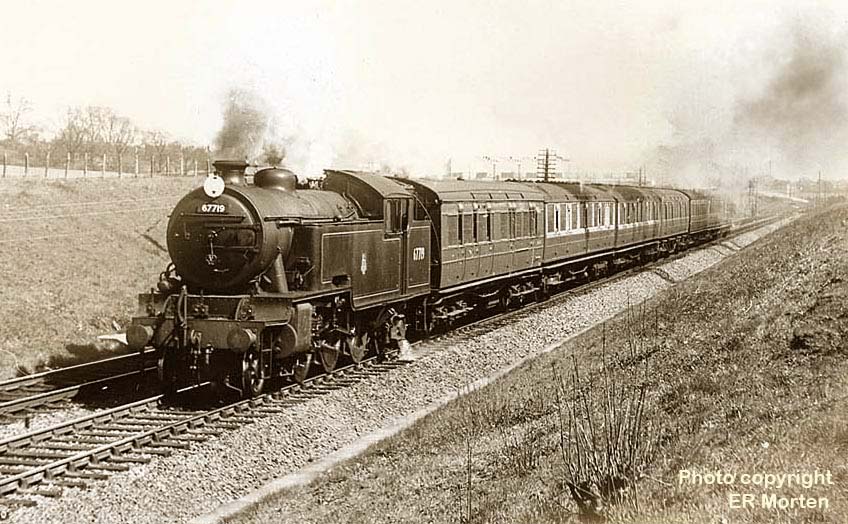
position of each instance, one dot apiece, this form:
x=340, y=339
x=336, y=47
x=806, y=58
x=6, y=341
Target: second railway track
x=23, y=397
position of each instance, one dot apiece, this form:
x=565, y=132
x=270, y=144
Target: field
x=742, y=370
x=73, y=256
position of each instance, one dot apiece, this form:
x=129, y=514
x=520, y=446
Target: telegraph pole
x=543, y=163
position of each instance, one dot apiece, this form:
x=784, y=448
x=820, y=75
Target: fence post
x=208, y=167
x=195, y=167
x=120, y=164
x=4, y=164
x=26, y=163
x=103, y=167
x=136, y=162
x=46, y=164
x=151, y=165
x=182, y=164
x=67, y=164
x=167, y=165
x=84, y=164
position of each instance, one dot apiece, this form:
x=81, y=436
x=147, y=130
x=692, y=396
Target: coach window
x=489, y=222
x=483, y=225
x=534, y=216
x=503, y=217
x=556, y=217
x=451, y=232
x=467, y=234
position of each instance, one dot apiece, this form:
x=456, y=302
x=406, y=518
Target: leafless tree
x=94, y=121
x=14, y=119
x=119, y=133
x=158, y=141
x=73, y=134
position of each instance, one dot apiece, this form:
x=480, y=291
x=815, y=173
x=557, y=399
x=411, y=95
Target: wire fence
x=16, y=164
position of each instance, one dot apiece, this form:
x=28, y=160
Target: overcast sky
x=610, y=85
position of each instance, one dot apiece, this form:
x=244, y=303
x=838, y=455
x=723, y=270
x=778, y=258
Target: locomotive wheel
x=358, y=346
x=252, y=382
x=329, y=355
x=166, y=370
x=300, y=370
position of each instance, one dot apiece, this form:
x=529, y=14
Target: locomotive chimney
x=232, y=171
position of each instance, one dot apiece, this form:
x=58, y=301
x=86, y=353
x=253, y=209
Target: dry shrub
x=606, y=437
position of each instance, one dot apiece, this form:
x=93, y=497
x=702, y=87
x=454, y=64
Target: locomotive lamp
x=213, y=186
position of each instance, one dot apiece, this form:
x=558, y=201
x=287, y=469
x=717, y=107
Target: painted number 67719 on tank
x=212, y=208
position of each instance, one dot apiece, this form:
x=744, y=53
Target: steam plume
x=248, y=131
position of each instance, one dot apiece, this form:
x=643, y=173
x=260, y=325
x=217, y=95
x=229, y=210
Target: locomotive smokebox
x=231, y=171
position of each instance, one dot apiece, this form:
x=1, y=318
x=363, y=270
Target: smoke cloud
x=803, y=106
x=249, y=130
x=784, y=114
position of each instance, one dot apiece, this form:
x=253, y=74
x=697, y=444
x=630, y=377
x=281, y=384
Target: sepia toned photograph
x=462, y=262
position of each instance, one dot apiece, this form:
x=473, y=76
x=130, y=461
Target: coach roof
x=470, y=190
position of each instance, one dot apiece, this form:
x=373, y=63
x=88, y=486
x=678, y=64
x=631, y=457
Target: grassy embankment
x=73, y=256
x=743, y=369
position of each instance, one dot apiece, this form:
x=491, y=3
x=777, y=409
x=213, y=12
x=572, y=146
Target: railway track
x=77, y=452
x=23, y=397
x=88, y=449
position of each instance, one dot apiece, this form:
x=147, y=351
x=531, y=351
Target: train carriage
x=708, y=215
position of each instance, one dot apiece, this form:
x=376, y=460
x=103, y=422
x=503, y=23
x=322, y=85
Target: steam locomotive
x=270, y=278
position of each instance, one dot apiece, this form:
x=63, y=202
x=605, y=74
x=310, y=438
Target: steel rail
x=36, y=378
x=136, y=442
x=69, y=392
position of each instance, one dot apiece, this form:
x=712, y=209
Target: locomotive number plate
x=212, y=208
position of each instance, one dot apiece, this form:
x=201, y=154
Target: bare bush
x=606, y=438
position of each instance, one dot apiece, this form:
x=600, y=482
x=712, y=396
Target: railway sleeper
x=243, y=421
x=123, y=427
x=205, y=431
x=43, y=491
x=40, y=454
x=13, y=470
x=69, y=483
x=162, y=452
x=190, y=437
x=9, y=501
x=91, y=475
x=144, y=421
x=168, y=444
x=23, y=461
x=119, y=459
x=222, y=426
x=106, y=434
x=106, y=466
